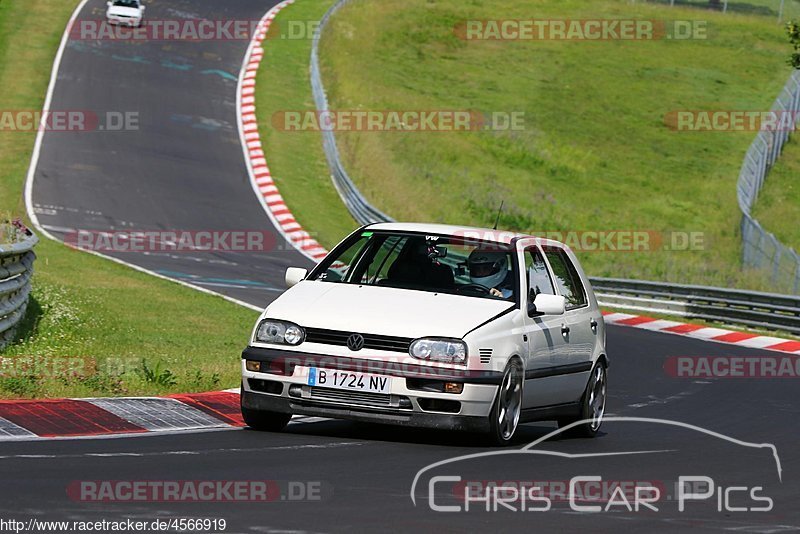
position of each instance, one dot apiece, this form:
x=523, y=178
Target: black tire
x=591, y=427
x=502, y=422
x=263, y=420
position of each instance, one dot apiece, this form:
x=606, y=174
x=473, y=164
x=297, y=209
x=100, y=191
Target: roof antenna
x=497, y=220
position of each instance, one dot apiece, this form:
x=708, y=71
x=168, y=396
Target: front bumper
x=402, y=405
x=281, y=404
x=124, y=21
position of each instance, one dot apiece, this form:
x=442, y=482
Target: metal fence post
x=760, y=248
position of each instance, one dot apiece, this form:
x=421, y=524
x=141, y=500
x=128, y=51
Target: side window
x=538, y=278
x=567, y=279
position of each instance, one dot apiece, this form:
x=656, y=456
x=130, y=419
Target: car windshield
x=433, y=263
x=126, y=3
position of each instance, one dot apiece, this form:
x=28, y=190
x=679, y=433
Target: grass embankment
x=778, y=206
x=296, y=159
x=595, y=154
x=94, y=327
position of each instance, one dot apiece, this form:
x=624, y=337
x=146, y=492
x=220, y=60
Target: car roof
x=484, y=234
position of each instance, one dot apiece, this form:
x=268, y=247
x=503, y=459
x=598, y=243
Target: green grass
x=94, y=327
x=595, y=153
x=296, y=159
x=778, y=206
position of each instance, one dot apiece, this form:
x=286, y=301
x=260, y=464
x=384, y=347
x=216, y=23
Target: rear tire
x=593, y=405
x=507, y=407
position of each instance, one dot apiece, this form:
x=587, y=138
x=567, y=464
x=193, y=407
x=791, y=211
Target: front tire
x=263, y=420
x=507, y=407
x=593, y=405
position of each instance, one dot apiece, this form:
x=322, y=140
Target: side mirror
x=143, y=8
x=547, y=305
x=294, y=275
x=109, y=4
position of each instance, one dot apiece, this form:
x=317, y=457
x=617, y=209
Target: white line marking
x=331, y=445
x=37, y=147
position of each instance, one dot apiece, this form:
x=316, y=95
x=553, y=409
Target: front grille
x=371, y=341
x=486, y=355
x=377, y=400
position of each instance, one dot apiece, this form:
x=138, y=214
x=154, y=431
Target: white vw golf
x=125, y=12
x=432, y=326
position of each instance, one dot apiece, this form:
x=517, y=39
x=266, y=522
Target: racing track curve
x=184, y=170
x=181, y=170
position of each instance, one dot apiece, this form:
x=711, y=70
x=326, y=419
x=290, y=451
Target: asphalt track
x=184, y=170
x=181, y=170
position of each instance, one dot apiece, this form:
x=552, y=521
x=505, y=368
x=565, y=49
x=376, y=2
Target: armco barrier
x=361, y=210
x=736, y=307
x=16, y=269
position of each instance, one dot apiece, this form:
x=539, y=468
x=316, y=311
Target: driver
x=489, y=269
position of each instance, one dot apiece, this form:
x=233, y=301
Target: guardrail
x=760, y=248
x=358, y=206
x=769, y=311
x=16, y=270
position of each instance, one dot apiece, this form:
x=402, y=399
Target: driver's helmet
x=487, y=267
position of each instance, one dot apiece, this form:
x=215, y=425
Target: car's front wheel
x=593, y=405
x=264, y=420
x=507, y=407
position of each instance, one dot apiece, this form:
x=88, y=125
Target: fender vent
x=486, y=355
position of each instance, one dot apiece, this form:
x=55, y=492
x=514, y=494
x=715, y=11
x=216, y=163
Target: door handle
x=593, y=323
x=564, y=329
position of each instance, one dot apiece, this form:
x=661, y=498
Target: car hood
x=123, y=11
x=383, y=310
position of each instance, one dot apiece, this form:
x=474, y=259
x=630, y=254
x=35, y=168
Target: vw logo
x=355, y=342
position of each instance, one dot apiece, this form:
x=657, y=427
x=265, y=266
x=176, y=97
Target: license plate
x=332, y=378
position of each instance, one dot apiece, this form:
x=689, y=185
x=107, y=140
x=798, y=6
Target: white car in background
x=125, y=12
x=432, y=326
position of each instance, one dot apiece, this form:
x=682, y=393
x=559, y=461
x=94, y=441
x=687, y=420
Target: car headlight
x=439, y=349
x=280, y=332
